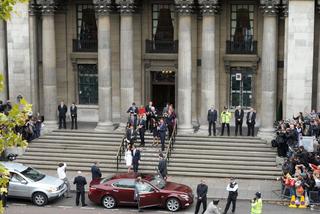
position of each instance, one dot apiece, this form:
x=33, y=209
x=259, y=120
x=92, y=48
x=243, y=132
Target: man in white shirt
x=61, y=171
x=232, y=188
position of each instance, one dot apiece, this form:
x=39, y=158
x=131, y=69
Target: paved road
x=67, y=206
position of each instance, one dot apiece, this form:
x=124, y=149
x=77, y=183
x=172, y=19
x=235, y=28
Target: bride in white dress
x=128, y=158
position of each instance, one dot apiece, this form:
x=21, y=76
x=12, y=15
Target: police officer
x=4, y=190
x=256, y=204
x=225, y=120
x=232, y=188
x=80, y=183
x=202, y=191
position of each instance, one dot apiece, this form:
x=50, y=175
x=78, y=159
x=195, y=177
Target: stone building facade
x=105, y=54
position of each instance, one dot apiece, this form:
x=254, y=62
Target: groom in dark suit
x=135, y=158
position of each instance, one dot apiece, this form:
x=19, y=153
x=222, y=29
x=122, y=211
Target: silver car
x=29, y=183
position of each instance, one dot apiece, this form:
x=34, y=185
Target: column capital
x=184, y=7
x=126, y=6
x=270, y=7
x=102, y=7
x=285, y=7
x=33, y=8
x=47, y=7
x=209, y=7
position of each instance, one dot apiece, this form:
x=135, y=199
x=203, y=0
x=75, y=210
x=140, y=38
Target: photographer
x=256, y=204
x=232, y=188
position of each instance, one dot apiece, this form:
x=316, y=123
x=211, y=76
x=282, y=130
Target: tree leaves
x=7, y=7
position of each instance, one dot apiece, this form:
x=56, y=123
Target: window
x=162, y=21
x=16, y=178
x=125, y=183
x=144, y=187
x=86, y=22
x=241, y=87
x=88, y=84
x=242, y=17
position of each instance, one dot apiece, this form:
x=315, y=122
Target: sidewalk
x=217, y=186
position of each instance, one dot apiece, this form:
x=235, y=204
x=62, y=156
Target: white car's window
x=16, y=178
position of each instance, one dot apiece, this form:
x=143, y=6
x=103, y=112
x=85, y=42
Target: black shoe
x=84, y=205
x=77, y=204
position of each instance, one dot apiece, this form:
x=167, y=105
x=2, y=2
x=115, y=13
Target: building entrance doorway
x=163, y=88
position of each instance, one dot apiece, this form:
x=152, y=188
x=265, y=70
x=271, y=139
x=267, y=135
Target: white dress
x=128, y=158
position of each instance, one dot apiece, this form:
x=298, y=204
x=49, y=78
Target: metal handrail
x=172, y=141
x=120, y=151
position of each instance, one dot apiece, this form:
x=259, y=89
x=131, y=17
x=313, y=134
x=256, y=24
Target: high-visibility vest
x=225, y=117
x=3, y=190
x=256, y=206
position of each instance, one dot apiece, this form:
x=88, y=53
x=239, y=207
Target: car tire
x=39, y=199
x=108, y=202
x=173, y=204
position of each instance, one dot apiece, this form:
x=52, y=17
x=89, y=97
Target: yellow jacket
x=225, y=117
x=256, y=206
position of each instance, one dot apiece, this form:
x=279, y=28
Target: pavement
x=67, y=206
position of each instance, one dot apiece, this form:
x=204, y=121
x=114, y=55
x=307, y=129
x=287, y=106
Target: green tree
x=17, y=116
x=7, y=7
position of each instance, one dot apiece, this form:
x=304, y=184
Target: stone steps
x=199, y=156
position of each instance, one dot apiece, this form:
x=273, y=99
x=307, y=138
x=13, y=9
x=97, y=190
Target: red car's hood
x=177, y=187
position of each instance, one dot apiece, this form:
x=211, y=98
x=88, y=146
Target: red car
x=155, y=191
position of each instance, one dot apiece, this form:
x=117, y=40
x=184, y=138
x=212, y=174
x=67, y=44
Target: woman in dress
x=128, y=158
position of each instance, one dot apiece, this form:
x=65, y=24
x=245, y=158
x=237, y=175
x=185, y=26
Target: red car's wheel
x=173, y=204
x=108, y=202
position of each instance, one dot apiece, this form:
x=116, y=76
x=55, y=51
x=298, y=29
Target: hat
x=258, y=194
x=215, y=201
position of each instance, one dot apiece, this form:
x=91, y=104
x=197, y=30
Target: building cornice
x=209, y=7
x=102, y=7
x=184, y=7
x=270, y=7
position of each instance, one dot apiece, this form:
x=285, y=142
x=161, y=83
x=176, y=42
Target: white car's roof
x=14, y=166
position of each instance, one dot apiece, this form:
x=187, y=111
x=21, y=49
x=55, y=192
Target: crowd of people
x=301, y=167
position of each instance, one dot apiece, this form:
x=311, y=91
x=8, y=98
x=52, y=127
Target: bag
x=274, y=143
x=289, y=182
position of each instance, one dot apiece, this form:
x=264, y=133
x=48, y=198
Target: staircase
x=79, y=149
x=198, y=156
x=240, y=157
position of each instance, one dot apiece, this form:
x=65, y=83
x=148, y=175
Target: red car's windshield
x=158, y=181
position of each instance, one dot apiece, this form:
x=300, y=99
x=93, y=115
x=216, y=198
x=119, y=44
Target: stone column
x=103, y=8
x=33, y=39
x=209, y=9
x=3, y=59
x=285, y=64
x=49, y=63
x=269, y=68
x=184, y=9
x=126, y=8
x=300, y=56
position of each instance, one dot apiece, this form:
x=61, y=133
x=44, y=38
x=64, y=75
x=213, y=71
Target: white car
x=29, y=183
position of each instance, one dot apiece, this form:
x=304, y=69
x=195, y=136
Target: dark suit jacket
x=62, y=110
x=253, y=118
x=80, y=182
x=73, y=111
x=212, y=115
x=136, y=156
x=162, y=130
x=95, y=171
x=133, y=110
x=131, y=135
x=162, y=167
x=239, y=115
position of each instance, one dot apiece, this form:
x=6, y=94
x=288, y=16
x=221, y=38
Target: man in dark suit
x=238, y=116
x=80, y=183
x=135, y=158
x=202, y=191
x=148, y=112
x=131, y=135
x=133, y=115
x=212, y=119
x=251, y=121
x=74, y=114
x=95, y=171
x=141, y=127
x=162, y=132
x=162, y=166
x=62, y=109
x=137, y=187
